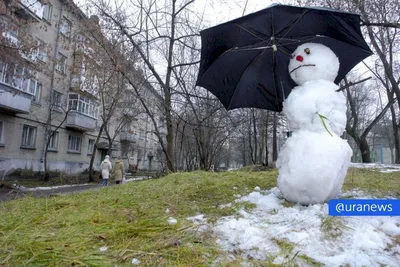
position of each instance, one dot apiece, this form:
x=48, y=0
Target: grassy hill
x=112, y=226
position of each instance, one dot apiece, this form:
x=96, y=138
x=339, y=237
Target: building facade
x=46, y=94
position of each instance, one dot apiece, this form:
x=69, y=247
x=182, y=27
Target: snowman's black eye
x=307, y=50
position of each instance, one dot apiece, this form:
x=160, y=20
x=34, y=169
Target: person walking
x=118, y=170
x=106, y=168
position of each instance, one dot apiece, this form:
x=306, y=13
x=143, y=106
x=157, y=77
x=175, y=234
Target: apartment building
x=47, y=93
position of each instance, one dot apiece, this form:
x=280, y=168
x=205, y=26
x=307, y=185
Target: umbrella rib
x=294, y=24
x=247, y=30
x=254, y=60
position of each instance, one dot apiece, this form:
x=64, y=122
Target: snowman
x=314, y=160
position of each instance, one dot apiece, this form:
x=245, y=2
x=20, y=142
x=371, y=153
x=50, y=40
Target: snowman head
x=312, y=61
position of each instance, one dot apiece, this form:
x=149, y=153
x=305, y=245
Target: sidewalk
x=7, y=193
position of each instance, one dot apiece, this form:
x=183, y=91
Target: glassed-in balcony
x=82, y=114
x=31, y=9
x=18, y=87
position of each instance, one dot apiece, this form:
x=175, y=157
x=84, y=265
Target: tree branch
x=352, y=83
x=185, y=64
x=381, y=24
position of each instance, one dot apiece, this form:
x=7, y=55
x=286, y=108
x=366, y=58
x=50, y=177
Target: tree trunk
x=364, y=148
x=244, y=151
x=46, y=173
x=266, y=139
x=275, y=139
x=396, y=136
x=250, y=145
x=255, y=138
x=91, y=178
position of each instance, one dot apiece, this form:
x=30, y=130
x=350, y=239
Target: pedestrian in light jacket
x=118, y=170
x=106, y=168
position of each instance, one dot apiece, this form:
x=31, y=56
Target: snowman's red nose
x=299, y=58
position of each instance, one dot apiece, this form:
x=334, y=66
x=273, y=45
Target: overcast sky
x=218, y=11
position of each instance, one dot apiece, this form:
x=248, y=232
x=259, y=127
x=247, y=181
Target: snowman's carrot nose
x=299, y=58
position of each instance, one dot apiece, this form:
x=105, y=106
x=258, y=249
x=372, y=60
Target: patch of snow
x=235, y=188
x=198, y=219
x=172, y=221
x=385, y=168
x=257, y=189
x=138, y=178
x=166, y=210
x=135, y=261
x=103, y=249
x=390, y=170
x=362, y=241
x=222, y=206
x=49, y=187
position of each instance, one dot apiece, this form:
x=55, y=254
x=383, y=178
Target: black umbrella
x=244, y=62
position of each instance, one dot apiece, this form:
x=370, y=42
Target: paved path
x=14, y=193
x=7, y=193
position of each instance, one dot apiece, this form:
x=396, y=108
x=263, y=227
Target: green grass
x=333, y=227
x=68, y=230
x=373, y=181
x=130, y=220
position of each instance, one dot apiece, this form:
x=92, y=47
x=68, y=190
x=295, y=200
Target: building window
x=74, y=143
x=34, y=88
x=38, y=90
x=47, y=12
x=82, y=104
x=91, y=146
x=20, y=78
x=57, y=99
x=28, y=136
x=1, y=133
x=53, y=141
x=65, y=27
x=42, y=52
x=61, y=63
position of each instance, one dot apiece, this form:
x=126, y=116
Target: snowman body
x=314, y=160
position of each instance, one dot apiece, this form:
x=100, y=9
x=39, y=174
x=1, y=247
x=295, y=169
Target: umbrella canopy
x=244, y=62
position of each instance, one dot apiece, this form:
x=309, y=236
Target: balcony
x=80, y=122
x=31, y=9
x=13, y=100
x=128, y=137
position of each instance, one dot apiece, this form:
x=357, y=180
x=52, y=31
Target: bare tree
x=357, y=106
x=154, y=36
x=381, y=28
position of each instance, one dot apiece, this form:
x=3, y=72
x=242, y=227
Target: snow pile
x=314, y=160
x=334, y=241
